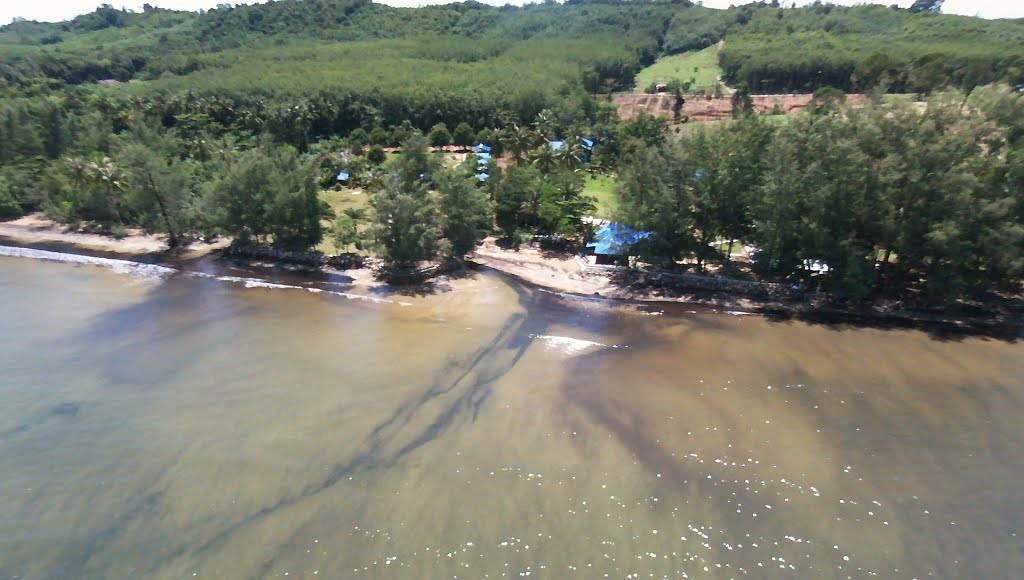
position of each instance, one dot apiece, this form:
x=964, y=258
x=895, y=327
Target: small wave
x=120, y=266
x=155, y=271
x=257, y=283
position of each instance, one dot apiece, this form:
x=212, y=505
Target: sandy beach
x=38, y=229
x=574, y=275
x=561, y=273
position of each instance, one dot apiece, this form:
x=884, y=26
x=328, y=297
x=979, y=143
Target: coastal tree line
x=229, y=122
x=919, y=203
x=924, y=205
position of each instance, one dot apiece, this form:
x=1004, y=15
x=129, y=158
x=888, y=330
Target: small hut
x=613, y=243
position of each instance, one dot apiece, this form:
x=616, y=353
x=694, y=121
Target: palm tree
x=81, y=178
x=571, y=153
x=111, y=176
x=519, y=141
x=357, y=214
x=545, y=159
x=546, y=124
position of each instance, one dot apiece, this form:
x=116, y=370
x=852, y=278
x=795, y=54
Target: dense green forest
x=232, y=121
x=884, y=200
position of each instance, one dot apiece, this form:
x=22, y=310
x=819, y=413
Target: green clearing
x=778, y=120
x=602, y=188
x=723, y=246
x=339, y=202
x=344, y=199
x=700, y=68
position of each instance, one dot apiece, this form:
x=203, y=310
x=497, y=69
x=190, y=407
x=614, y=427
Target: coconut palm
x=519, y=141
x=571, y=153
x=545, y=159
x=81, y=176
x=546, y=124
x=112, y=178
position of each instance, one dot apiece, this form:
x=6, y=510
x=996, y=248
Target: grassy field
x=339, y=202
x=701, y=68
x=778, y=120
x=602, y=188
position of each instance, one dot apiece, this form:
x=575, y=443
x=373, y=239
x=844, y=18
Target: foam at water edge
x=257, y=283
x=120, y=266
x=155, y=271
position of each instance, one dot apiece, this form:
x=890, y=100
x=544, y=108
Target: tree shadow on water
x=145, y=344
x=453, y=398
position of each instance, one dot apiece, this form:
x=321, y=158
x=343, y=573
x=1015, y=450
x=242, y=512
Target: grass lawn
x=339, y=202
x=701, y=66
x=602, y=187
x=777, y=120
x=723, y=246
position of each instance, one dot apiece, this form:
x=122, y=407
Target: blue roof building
x=557, y=145
x=588, y=144
x=481, y=148
x=616, y=240
x=343, y=176
x=482, y=177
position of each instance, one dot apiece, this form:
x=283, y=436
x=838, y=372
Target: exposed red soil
x=699, y=108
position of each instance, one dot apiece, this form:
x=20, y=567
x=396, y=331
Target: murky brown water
x=187, y=426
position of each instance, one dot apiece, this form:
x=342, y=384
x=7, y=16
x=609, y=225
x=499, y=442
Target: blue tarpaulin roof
x=588, y=144
x=343, y=176
x=481, y=148
x=615, y=239
x=482, y=176
x=557, y=145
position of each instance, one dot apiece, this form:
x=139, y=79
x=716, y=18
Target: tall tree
x=439, y=135
x=415, y=165
x=515, y=199
x=160, y=184
x=406, y=227
x=268, y=194
x=519, y=141
x=654, y=196
x=463, y=134
x=677, y=105
x=742, y=102
x=466, y=214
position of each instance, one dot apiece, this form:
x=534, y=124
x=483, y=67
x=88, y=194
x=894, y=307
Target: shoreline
x=35, y=230
x=560, y=274
x=576, y=280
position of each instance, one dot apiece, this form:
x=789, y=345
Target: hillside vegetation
x=235, y=121
x=697, y=71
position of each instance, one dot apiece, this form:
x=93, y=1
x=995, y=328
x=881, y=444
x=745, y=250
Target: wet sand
x=38, y=229
x=556, y=273
x=559, y=273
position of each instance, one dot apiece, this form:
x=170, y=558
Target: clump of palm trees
x=535, y=145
